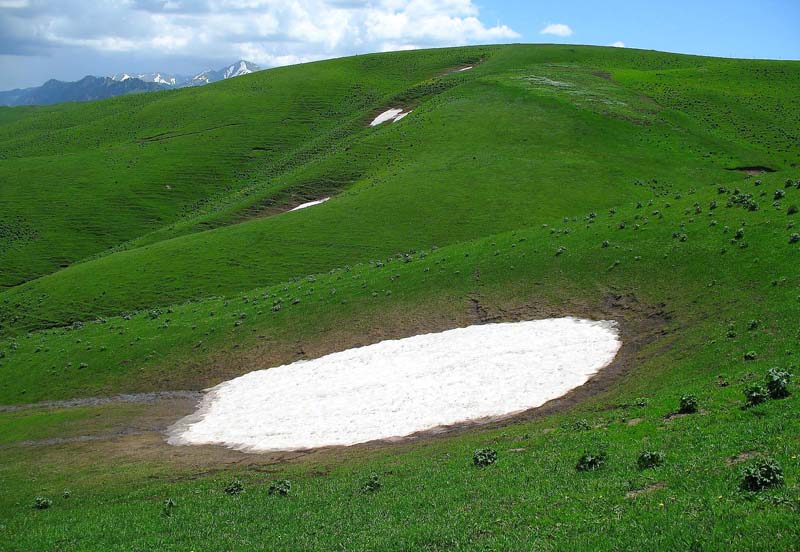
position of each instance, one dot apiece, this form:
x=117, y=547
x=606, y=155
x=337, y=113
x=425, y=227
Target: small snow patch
x=310, y=204
x=399, y=387
x=394, y=115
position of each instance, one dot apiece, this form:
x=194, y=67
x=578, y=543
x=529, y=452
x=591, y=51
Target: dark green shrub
x=166, y=510
x=753, y=324
x=794, y=238
x=792, y=210
x=42, y=503
x=760, y=475
x=581, y=425
x=591, y=461
x=66, y=494
x=750, y=355
x=372, y=484
x=280, y=487
x=755, y=394
x=234, y=487
x=688, y=404
x=650, y=459
x=779, y=194
x=778, y=383
x=484, y=457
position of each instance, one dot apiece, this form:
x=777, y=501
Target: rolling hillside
x=147, y=245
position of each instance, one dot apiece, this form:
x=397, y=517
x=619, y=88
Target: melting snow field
x=399, y=387
x=309, y=204
x=393, y=115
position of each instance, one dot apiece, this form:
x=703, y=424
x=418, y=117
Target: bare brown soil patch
x=754, y=170
x=647, y=489
x=741, y=457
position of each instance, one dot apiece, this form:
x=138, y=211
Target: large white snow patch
x=399, y=387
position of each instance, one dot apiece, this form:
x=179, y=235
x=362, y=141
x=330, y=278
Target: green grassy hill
x=547, y=180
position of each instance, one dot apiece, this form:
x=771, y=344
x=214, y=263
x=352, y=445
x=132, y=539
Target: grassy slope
x=80, y=178
x=556, y=150
x=432, y=498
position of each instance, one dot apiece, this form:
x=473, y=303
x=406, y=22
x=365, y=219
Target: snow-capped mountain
x=158, y=78
x=237, y=69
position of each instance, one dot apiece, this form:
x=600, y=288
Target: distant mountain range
x=97, y=88
x=180, y=81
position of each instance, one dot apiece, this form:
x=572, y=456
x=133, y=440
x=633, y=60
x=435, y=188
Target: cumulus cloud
x=268, y=32
x=618, y=44
x=557, y=29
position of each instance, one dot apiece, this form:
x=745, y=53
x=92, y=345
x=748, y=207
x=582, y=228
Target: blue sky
x=728, y=28
x=67, y=39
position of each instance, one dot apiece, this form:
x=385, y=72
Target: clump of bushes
x=372, y=484
x=750, y=355
x=42, y=503
x=778, y=383
x=688, y=404
x=280, y=487
x=484, y=457
x=755, y=394
x=234, y=487
x=792, y=210
x=794, y=238
x=591, y=461
x=650, y=459
x=762, y=474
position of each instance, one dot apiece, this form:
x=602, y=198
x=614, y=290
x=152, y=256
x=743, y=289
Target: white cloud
x=557, y=29
x=268, y=32
x=618, y=44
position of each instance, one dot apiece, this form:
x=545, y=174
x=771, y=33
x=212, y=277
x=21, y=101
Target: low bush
x=42, y=503
x=166, y=509
x=794, y=238
x=650, y=459
x=234, y=487
x=750, y=355
x=755, y=394
x=762, y=474
x=280, y=487
x=581, y=425
x=591, y=461
x=778, y=383
x=792, y=210
x=484, y=457
x=688, y=404
x=372, y=484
